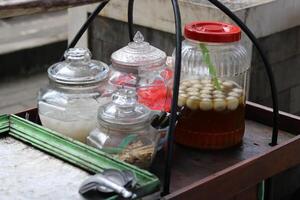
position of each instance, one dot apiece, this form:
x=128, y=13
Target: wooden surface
x=231, y=174
x=243, y=175
x=192, y=165
x=287, y=122
x=9, y=8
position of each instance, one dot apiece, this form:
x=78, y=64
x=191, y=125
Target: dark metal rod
x=86, y=25
x=177, y=72
x=130, y=19
x=265, y=61
x=168, y=166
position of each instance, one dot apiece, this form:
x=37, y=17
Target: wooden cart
x=236, y=174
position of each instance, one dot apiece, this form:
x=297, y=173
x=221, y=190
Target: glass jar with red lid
x=142, y=66
x=213, y=87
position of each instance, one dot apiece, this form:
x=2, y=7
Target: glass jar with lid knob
x=77, y=87
x=143, y=67
x=213, y=87
x=124, y=129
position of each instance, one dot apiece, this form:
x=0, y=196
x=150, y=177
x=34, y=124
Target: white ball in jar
x=193, y=93
x=217, y=92
x=209, y=85
x=234, y=94
x=208, y=88
x=205, y=81
x=186, y=83
x=219, y=96
x=198, y=86
x=219, y=105
x=195, y=82
x=228, y=84
x=182, y=99
x=238, y=91
x=206, y=104
x=182, y=87
x=205, y=96
x=191, y=89
x=205, y=92
x=193, y=102
x=181, y=92
x=232, y=103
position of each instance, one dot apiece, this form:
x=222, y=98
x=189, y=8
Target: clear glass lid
x=78, y=68
x=124, y=110
x=138, y=53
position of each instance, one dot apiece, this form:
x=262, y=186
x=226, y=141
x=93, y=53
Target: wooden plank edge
x=264, y=115
x=231, y=181
x=34, y=6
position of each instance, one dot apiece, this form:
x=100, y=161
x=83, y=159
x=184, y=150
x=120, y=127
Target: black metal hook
x=173, y=116
x=86, y=25
x=130, y=19
x=270, y=74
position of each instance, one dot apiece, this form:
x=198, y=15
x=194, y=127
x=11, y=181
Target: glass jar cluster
x=124, y=96
x=111, y=108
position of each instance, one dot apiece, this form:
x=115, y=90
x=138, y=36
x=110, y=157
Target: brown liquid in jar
x=211, y=118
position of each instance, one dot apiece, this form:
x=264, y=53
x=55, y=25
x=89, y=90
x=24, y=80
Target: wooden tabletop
x=10, y=8
x=233, y=173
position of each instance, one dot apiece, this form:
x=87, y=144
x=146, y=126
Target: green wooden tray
x=77, y=153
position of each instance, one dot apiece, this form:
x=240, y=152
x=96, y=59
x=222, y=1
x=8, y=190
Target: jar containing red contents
x=142, y=66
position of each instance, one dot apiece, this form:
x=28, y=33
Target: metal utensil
x=110, y=181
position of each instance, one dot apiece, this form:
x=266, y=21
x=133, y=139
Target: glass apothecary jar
x=77, y=87
x=124, y=129
x=213, y=87
x=143, y=67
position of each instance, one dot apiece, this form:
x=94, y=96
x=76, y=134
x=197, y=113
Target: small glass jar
x=143, y=67
x=124, y=130
x=213, y=87
x=77, y=87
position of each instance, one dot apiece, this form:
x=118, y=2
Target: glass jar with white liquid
x=77, y=87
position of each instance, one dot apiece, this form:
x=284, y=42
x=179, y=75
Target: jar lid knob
x=125, y=98
x=78, y=54
x=138, y=37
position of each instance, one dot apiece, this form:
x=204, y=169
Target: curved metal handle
x=267, y=65
x=86, y=25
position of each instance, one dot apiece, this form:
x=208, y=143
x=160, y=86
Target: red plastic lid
x=218, y=32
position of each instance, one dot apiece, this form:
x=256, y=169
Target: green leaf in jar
x=211, y=68
x=122, y=146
